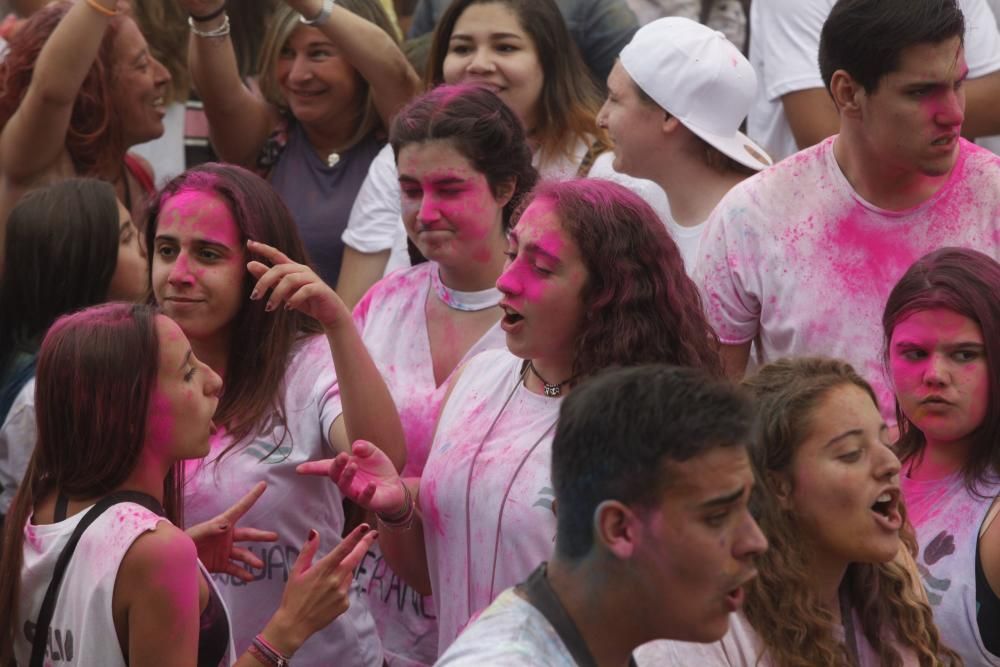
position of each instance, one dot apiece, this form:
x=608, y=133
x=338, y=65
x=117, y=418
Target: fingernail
x=375, y=535
x=312, y=535
x=269, y=307
x=254, y=295
x=365, y=528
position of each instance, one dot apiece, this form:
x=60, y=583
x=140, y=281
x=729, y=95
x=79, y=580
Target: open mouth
x=511, y=316
x=886, y=510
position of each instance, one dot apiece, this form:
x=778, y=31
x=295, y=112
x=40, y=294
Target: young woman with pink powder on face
x=298, y=383
x=592, y=280
x=942, y=333
x=464, y=165
x=122, y=402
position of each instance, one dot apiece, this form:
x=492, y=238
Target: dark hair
x=866, y=38
x=97, y=370
x=795, y=628
x=618, y=431
x=95, y=137
x=60, y=253
x=480, y=127
x=567, y=110
x=639, y=304
x=966, y=282
x=262, y=341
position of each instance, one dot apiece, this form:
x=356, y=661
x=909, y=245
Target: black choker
x=550, y=390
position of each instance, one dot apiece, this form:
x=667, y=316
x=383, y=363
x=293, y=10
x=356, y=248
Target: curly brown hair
x=639, y=304
x=95, y=139
x=794, y=627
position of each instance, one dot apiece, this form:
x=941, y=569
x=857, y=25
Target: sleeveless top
x=486, y=495
x=947, y=519
x=318, y=195
x=82, y=631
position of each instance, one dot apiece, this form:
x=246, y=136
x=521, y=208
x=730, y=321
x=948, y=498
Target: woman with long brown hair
x=837, y=586
x=592, y=280
x=210, y=231
x=122, y=402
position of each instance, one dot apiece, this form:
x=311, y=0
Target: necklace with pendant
x=551, y=390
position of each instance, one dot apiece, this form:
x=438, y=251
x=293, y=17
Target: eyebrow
x=534, y=248
x=187, y=358
x=444, y=180
x=198, y=241
x=905, y=343
x=930, y=83
x=853, y=432
x=492, y=35
x=723, y=500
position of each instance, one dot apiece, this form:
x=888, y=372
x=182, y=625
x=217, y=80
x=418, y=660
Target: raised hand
x=295, y=285
x=317, y=593
x=366, y=476
x=215, y=539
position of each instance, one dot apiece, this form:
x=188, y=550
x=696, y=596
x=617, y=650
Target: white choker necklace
x=467, y=301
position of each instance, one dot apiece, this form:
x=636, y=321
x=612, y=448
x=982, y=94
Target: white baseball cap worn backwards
x=700, y=78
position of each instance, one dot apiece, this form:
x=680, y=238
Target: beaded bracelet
x=403, y=519
x=267, y=654
x=221, y=31
x=101, y=9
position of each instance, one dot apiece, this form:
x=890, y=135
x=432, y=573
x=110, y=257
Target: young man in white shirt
x=676, y=98
x=800, y=258
x=793, y=109
x=654, y=538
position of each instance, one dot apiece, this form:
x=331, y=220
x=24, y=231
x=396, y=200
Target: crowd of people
x=646, y=332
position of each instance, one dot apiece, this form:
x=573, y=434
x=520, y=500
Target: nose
x=300, y=71
x=482, y=61
x=951, y=113
x=180, y=273
x=213, y=385
x=429, y=209
x=936, y=372
x=886, y=463
x=751, y=541
x=508, y=282
x=161, y=75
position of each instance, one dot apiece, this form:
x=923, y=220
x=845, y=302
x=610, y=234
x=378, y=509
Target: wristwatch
x=323, y=15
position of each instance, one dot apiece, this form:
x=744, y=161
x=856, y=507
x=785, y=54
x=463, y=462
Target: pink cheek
x=160, y=423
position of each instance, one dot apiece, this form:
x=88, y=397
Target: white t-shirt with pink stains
x=292, y=505
x=487, y=526
x=742, y=647
x=392, y=319
x=796, y=260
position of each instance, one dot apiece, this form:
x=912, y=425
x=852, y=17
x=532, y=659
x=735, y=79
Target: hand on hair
x=215, y=539
x=367, y=477
x=296, y=285
x=317, y=593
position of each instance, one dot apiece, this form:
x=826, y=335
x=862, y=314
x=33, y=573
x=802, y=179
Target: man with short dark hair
x=654, y=538
x=676, y=98
x=793, y=110
x=801, y=258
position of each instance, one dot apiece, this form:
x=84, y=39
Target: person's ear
x=670, y=123
x=505, y=190
x=847, y=93
x=781, y=483
x=616, y=528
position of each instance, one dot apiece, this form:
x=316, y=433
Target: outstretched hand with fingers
x=366, y=476
x=317, y=593
x=215, y=539
x=294, y=285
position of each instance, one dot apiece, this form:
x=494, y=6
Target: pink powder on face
x=160, y=422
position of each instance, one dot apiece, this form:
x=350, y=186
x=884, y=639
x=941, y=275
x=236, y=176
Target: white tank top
x=947, y=519
x=509, y=505
x=82, y=631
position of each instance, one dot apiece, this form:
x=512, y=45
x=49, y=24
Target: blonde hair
x=794, y=627
x=284, y=21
